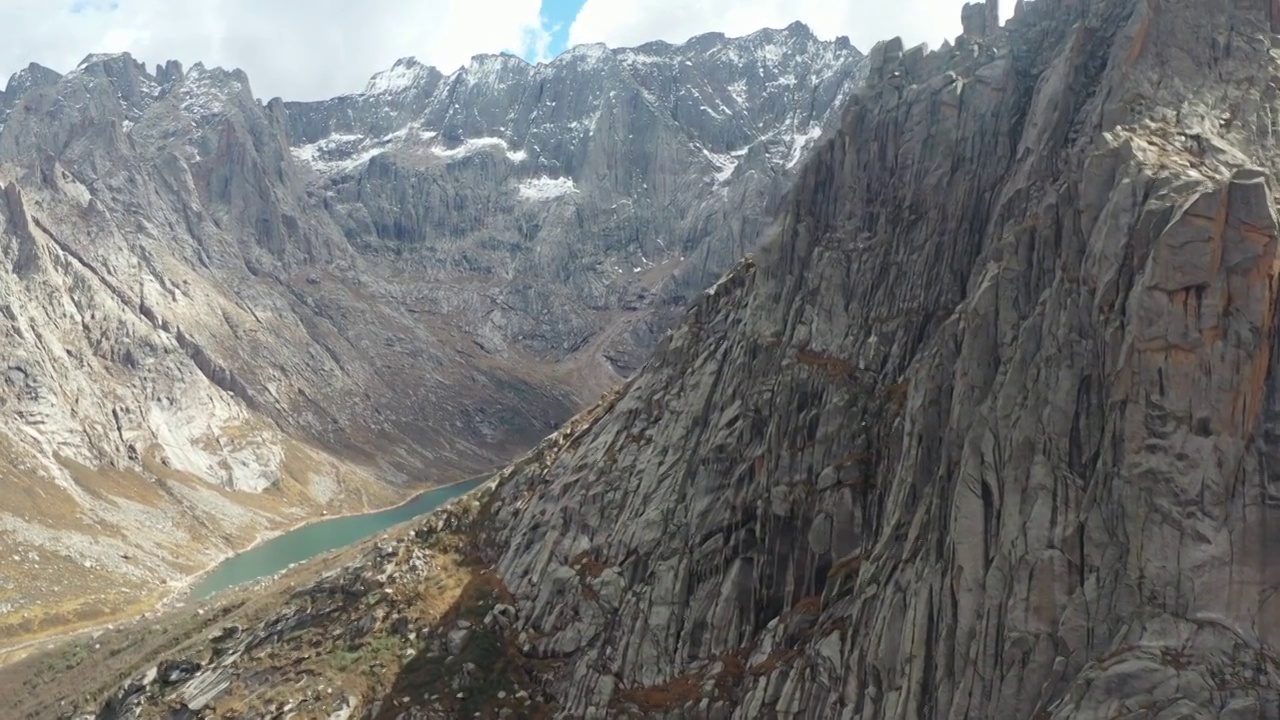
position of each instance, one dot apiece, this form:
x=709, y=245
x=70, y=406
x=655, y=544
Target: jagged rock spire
x=980, y=19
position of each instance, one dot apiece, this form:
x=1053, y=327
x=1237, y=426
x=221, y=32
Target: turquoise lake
x=318, y=538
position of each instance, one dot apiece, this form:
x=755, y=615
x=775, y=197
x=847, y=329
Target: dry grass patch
x=108, y=483
x=55, y=595
x=28, y=495
x=367, y=609
x=848, y=566
x=811, y=605
x=671, y=695
x=587, y=565
x=898, y=393
x=833, y=367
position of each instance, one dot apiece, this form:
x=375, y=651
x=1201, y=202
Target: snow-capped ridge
x=29, y=76
x=545, y=188
x=774, y=45
x=93, y=58
x=401, y=76
x=489, y=69
x=200, y=71
x=587, y=52
x=206, y=92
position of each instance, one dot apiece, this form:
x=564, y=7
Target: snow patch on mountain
x=402, y=76
x=544, y=188
x=337, y=154
x=772, y=53
x=410, y=132
x=208, y=92
x=801, y=143
x=343, y=152
x=589, y=53
x=492, y=70
x=724, y=164
x=474, y=145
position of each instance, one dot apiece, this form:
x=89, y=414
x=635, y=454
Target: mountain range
x=224, y=316
x=987, y=427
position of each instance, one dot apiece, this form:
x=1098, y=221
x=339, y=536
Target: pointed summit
x=799, y=29
x=33, y=75
x=402, y=75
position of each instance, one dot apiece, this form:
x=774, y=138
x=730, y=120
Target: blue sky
x=557, y=16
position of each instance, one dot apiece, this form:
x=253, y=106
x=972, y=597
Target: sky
x=313, y=49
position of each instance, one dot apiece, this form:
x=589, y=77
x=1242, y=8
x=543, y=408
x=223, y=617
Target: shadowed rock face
x=206, y=297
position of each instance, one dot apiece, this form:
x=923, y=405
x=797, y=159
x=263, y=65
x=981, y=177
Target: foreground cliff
x=986, y=430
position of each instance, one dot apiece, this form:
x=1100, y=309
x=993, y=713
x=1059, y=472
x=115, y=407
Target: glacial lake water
x=317, y=538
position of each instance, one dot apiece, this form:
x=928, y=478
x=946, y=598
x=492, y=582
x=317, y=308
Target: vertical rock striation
x=988, y=429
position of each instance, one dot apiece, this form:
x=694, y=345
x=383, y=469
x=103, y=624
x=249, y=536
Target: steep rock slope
x=213, y=331
x=607, y=182
x=987, y=431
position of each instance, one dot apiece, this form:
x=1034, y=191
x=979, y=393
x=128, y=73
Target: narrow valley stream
x=316, y=538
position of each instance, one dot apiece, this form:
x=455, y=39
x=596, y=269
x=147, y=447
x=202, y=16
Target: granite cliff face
x=556, y=200
x=986, y=430
x=222, y=316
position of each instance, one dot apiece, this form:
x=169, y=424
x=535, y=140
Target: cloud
x=298, y=49
x=865, y=22
x=311, y=49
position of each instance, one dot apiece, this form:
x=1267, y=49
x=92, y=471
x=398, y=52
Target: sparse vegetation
x=897, y=394
x=53, y=591
x=847, y=566
x=671, y=695
x=829, y=365
x=811, y=605
x=587, y=565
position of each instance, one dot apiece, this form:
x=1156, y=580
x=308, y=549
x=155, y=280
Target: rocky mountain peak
x=34, y=75
x=170, y=72
x=402, y=76
x=987, y=428
x=237, y=314
x=117, y=59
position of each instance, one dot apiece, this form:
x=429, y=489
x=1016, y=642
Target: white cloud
x=298, y=49
x=865, y=22
x=311, y=49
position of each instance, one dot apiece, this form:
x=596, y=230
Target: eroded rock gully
x=987, y=430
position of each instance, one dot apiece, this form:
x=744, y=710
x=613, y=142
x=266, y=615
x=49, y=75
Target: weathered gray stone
x=348, y=296
x=988, y=429
x=457, y=640
x=1000, y=393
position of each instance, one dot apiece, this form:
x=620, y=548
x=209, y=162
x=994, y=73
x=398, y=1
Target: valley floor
x=345, y=630
x=90, y=600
